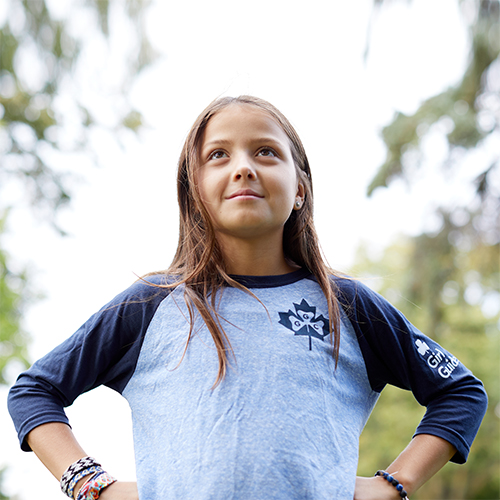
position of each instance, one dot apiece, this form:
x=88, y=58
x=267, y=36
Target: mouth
x=244, y=193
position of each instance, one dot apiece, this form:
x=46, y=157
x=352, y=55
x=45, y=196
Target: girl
x=250, y=367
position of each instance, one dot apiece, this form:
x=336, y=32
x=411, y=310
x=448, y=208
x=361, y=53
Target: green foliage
x=27, y=109
x=32, y=119
x=12, y=337
x=2, y=496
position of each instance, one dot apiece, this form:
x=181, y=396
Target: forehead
x=239, y=121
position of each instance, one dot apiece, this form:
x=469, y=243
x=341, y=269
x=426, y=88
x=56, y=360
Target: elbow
x=484, y=399
x=12, y=399
x=481, y=398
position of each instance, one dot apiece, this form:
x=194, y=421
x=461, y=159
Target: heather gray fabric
x=284, y=424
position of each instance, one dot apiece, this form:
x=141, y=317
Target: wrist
x=79, y=485
x=95, y=486
x=394, y=481
x=407, y=480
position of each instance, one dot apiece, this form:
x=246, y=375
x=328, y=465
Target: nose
x=244, y=168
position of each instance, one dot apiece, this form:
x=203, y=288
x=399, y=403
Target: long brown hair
x=198, y=263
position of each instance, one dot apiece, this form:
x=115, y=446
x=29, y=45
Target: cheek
x=205, y=185
x=289, y=190
x=284, y=202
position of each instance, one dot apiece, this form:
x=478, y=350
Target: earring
x=297, y=204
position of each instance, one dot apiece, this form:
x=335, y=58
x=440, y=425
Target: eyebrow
x=216, y=141
x=256, y=140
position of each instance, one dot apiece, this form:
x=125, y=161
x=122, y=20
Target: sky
x=305, y=58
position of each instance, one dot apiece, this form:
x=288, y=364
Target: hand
x=374, y=488
x=120, y=491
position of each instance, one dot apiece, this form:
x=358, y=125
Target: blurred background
x=398, y=105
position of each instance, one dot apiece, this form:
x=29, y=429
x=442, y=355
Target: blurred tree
x=12, y=337
x=468, y=115
x=2, y=496
x=447, y=280
x=463, y=317
x=471, y=108
x=48, y=54
x=45, y=110
x=471, y=111
x=44, y=105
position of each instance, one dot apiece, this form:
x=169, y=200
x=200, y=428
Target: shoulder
x=355, y=296
x=348, y=287
x=149, y=288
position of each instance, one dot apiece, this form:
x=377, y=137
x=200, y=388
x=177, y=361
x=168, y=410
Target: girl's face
x=246, y=175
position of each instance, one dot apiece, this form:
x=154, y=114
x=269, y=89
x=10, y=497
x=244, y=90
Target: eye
x=267, y=152
x=217, y=155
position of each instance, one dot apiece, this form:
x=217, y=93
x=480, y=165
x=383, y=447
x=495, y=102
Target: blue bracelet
x=394, y=482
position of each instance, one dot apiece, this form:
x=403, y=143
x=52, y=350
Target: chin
x=258, y=231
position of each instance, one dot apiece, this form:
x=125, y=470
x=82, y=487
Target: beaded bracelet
x=74, y=469
x=402, y=493
x=92, y=488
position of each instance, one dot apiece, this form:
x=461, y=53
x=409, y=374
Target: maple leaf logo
x=305, y=322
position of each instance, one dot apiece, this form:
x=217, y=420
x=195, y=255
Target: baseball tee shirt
x=285, y=421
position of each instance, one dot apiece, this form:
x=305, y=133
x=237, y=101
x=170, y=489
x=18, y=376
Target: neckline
x=271, y=281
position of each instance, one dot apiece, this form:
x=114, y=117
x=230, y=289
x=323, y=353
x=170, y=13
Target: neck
x=264, y=257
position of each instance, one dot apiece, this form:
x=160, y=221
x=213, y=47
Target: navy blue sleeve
x=104, y=351
x=397, y=353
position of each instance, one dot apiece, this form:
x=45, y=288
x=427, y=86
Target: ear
x=299, y=196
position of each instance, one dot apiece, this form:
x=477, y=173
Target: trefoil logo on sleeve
x=438, y=360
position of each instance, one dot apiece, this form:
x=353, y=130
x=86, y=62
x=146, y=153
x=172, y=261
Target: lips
x=244, y=193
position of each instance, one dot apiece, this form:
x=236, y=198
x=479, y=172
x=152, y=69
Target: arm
x=112, y=340
x=397, y=353
x=55, y=445
x=104, y=351
x=421, y=459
